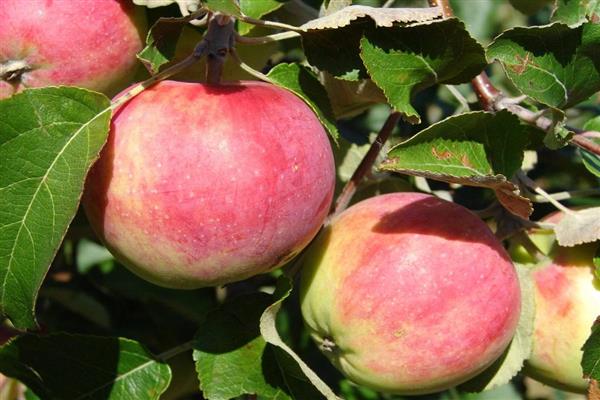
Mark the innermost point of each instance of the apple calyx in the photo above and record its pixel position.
(327, 345)
(12, 70)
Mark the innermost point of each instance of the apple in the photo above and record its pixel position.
(567, 296)
(409, 294)
(201, 185)
(86, 43)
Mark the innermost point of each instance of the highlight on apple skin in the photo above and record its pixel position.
(567, 296)
(409, 294)
(201, 185)
(86, 43)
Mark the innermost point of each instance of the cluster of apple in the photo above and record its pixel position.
(203, 185)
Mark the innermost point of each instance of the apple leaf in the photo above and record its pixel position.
(384, 17)
(232, 359)
(477, 149)
(256, 9)
(578, 227)
(161, 43)
(591, 160)
(68, 366)
(591, 353)
(529, 7)
(519, 349)
(404, 60)
(553, 64)
(229, 7)
(596, 262)
(49, 138)
(575, 12)
(301, 81)
(268, 329)
(350, 98)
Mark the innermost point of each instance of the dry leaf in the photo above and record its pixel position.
(578, 227)
(381, 16)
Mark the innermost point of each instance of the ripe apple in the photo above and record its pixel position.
(567, 298)
(201, 185)
(409, 294)
(86, 43)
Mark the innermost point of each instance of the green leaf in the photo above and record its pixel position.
(256, 9)
(575, 12)
(48, 140)
(596, 261)
(511, 362)
(268, 329)
(553, 64)
(477, 149)
(66, 366)
(405, 60)
(591, 160)
(337, 50)
(591, 354)
(350, 98)
(90, 254)
(161, 43)
(232, 359)
(229, 7)
(301, 81)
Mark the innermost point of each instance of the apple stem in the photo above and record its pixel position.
(365, 165)
(12, 70)
(219, 40)
(182, 348)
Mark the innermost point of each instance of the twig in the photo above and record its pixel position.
(252, 40)
(536, 188)
(487, 94)
(566, 195)
(586, 144)
(182, 348)
(388, 4)
(458, 96)
(366, 164)
(269, 24)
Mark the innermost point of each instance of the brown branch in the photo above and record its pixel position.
(366, 164)
(583, 142)
(486, 92)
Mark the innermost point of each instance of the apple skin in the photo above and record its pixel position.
(409, 294)
(202, 185)
(567, 296)
(85, 43)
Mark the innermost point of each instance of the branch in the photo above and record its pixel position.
(366, 164)
(265, 39)
(446, 7)
(269, 24)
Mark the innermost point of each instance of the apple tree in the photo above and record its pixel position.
(299, 199)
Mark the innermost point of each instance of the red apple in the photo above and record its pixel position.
(407, 293)
(202, 185)
(86, 43)
(567, 298)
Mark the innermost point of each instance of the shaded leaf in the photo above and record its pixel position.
(232, 359)
(596, 262)
(405, 60)
(591, 354)
(529, 7)
(67, 366)
(161, 43)
(305, 85)
(574, 12)
(268, 329)
(553, 64)
(49, 138)
(349, 98)
(90, 254)
(578, 227)
(256, 9)
(384, 17)
(591, 160)
(80, 303)
(519, 349)
(476, 149)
